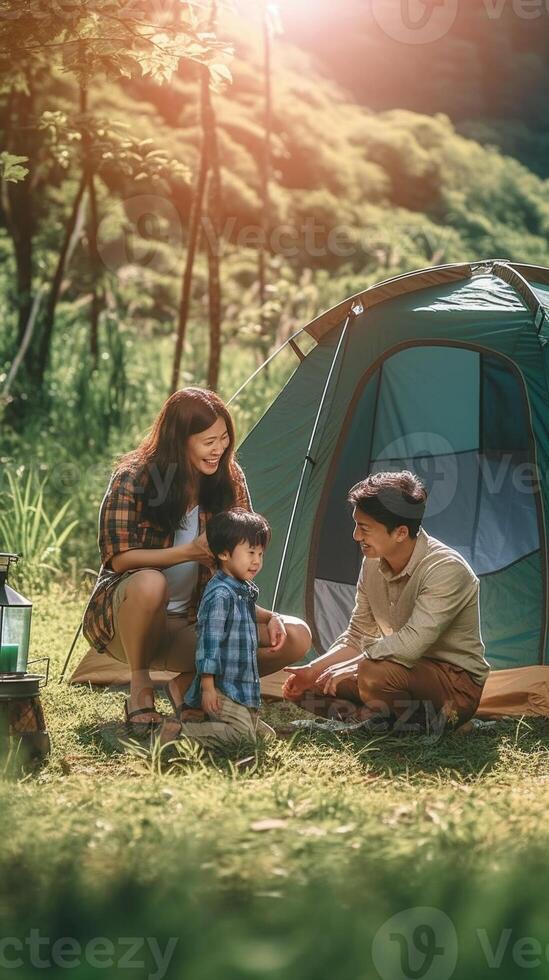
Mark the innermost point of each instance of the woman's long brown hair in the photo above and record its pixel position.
(165, 475)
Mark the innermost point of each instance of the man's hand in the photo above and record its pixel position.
(327, 682)
(210, 700)
(277, 632)
(301, 679)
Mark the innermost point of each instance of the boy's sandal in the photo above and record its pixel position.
(182, 711)
(176, 708)
(191, 714)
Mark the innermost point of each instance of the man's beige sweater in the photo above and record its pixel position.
(429, 609)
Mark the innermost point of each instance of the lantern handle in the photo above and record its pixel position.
(9, 560)
(43, 677)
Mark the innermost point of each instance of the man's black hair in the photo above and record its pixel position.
(391, 499)
(231, 527)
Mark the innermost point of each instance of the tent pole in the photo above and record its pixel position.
(309, 461)
(509, 274)
(290, 341)
(69, 655)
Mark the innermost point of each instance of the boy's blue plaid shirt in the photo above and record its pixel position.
(227, 641)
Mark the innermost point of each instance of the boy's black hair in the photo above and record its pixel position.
(392, 499)
(228, 528)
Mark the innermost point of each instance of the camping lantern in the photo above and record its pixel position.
(23, 736)
(15, 620)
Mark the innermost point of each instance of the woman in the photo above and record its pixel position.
(155, 557)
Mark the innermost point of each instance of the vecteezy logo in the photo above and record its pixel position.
(415, 21)
(432, 458)
(416, 944)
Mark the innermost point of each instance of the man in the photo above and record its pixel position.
(412, 653)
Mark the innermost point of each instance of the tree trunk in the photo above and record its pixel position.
(213, 239)
(265, 172)
(96, 304)
(25, 341)
(194, 227)
(21, 207)
(214, 283)
(86, 183)
(55, 290)
(17, 204)
(88, 170)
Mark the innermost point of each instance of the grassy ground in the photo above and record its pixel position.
(280, 863)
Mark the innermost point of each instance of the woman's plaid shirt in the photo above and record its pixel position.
(122, 528)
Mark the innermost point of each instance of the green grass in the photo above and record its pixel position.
(101, 842)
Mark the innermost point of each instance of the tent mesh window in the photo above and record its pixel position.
(459, 419)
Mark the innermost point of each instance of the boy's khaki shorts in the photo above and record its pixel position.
(232, 723)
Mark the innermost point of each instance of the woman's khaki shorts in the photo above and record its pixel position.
(178, 650)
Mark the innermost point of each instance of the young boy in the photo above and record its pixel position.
(226, 685)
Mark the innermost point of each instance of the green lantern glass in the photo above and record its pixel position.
(15, 622)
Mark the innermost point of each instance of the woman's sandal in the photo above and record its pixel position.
(141, 727)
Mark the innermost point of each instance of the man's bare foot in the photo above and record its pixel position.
(465, 729)
(335, 709)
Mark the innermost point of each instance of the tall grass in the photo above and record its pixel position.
(92, 417)
(293, 866)
(371, 922)
(29, 529)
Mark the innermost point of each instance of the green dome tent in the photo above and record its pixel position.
(444, 371)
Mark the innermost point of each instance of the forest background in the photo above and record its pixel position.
(182, 187)
(185, 185)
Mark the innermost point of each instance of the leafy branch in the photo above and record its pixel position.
(10, 167)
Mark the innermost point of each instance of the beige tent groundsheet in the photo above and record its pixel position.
(101, 670)
(520, 691)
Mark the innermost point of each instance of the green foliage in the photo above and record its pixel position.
(107, 38)
(355, 831)
(26, 527)
(356, 196)
(281, 863)
(488, 71)
(314, 924)
(109, 145)
(10, 167)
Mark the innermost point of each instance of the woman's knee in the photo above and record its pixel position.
(147, 589)
(299, 635)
